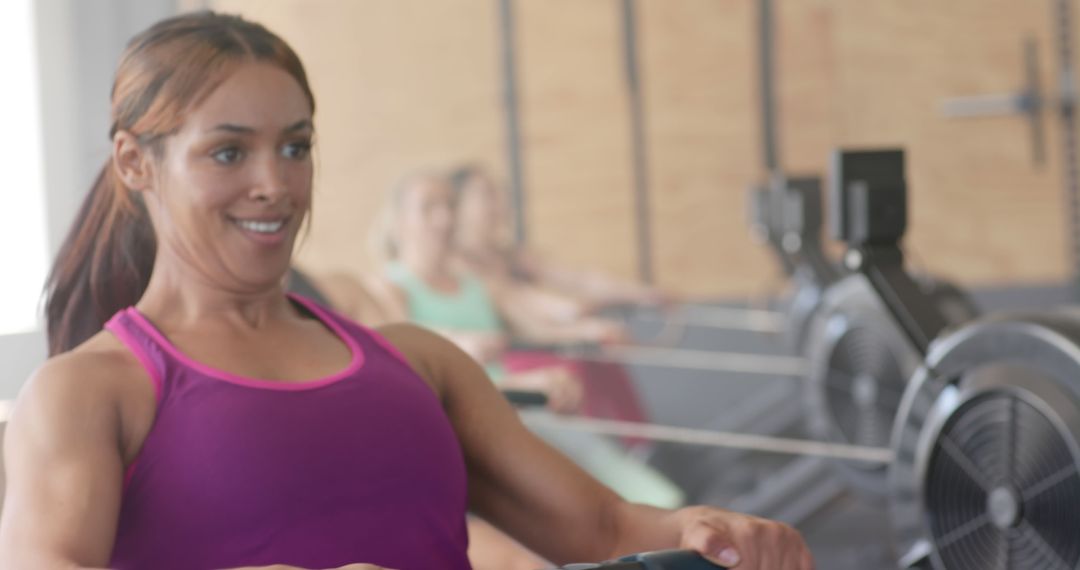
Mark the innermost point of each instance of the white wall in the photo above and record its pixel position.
(79, 43)
(20, 354)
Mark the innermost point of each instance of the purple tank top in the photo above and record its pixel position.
(361, 466)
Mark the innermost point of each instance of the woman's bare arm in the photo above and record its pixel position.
(63, 456)
(594, 287)
(537, 316)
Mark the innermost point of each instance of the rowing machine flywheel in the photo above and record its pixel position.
(860, 364)
(987, 443)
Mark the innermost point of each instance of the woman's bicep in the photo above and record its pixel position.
(64, 475)
(517, 481)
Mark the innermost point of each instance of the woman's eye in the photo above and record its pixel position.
(227, 155)
(297, 150)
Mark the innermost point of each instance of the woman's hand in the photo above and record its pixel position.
(742, 542)
(563, 390)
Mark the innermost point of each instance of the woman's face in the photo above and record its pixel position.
(480, 212)
(425, 219)
(233, 184)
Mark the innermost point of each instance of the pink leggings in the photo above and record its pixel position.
(609, 390)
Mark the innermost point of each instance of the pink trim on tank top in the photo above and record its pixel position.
(381, 341)
(355, 364)
(125, 337)
(139, 352)
(130, 472)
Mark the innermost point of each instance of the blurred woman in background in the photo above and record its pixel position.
(541, 298)
(448, 299)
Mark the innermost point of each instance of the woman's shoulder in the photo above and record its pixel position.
(98, 364)
(413, 343)
(95, 377)
(430, 355)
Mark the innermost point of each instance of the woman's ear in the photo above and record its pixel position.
(131, 161)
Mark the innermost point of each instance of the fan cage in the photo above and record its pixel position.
(863, 387)
(1005, 486)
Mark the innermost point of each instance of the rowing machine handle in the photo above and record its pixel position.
(659, 560)
(525, 398)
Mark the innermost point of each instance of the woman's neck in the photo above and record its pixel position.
(183, 296)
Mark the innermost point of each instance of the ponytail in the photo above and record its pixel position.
(103, 265)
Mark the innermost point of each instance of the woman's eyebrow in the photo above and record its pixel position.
(300, 125)
(241, 129)
(231, 128)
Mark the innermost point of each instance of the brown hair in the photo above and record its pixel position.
(382, 237)
(106, 259)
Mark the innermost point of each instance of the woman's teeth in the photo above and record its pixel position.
(261, 227)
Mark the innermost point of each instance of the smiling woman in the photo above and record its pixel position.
(22, 236)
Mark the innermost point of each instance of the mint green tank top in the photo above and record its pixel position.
(470, 309)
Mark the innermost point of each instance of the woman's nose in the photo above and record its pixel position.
(269, 180)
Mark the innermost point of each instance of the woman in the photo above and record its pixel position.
(457, 305)
(542, 299)
(428, 290)
(217, 422)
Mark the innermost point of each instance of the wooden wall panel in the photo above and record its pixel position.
(576, 133)
(806, 74)
(407, 83)
(704, 144)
